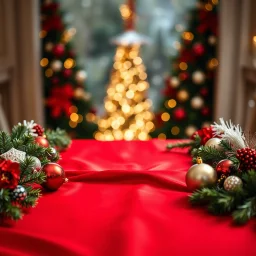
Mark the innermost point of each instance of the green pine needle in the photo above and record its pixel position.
(58, 138)
(245, 212)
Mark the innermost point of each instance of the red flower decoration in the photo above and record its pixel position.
(54, 23)
(205, 134)
(60, 100)
(208, 21)
(9, 174)
(186, 55)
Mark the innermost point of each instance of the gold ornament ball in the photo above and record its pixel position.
(197, 102)
(232, 183)
(48, 47)
(198, 77)
(182, 95)
(81, 76)
(175, 82)
(214, 142)
(200, 175)
(189, 131)
(56, 65)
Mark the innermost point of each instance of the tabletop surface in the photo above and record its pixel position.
(124, 199)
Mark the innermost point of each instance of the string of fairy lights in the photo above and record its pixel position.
(128, 114)
(198, 77)
(56, 66)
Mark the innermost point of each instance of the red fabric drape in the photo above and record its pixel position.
(124, 199)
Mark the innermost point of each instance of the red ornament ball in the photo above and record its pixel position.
(179, 114)
(58, 50)
(204, 92)
(224, 166)
(183, 76)
(199, 49)
(205, 111)
(39, 129)
(55, 176)
(55, 80)
(41, 141)
(67, 73)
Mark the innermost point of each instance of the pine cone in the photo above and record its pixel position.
(247, 158)
(39, 130)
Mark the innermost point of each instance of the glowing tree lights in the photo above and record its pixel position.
(128, 114)
(188, 94)
(68, 105)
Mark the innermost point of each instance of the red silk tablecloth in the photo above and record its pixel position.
(124, 199)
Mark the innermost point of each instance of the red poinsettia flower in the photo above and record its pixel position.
(9, 174)
(205, 134)
(59, 100)
(208, 21)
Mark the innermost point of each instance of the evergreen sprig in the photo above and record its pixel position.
(195, 143)
(21, 139)
(245, 212)
(5, 142)
(241, 203)
(58, 139)
(208, 154)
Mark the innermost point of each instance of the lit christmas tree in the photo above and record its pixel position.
(68, 105)
(188, 95)
(128, 114)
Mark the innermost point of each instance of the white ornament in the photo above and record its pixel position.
(81, 76)
(197, 102)
(174, 82)
(37, 164)
(198, 77)
(14, 155)
(56, 65)
(29, 125)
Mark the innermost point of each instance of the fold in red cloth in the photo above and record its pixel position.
(124, 199)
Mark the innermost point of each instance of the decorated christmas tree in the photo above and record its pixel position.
(188, 95)
(68, 105)
(127, 108)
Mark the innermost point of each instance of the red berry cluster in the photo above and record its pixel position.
(39, 129)
(247, 157)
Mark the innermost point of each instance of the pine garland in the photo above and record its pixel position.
(238, 199)
(21, 139)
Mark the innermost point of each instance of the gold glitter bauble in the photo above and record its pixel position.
(214, 142)
(182, 95)
(200, 175)
(232, 183)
